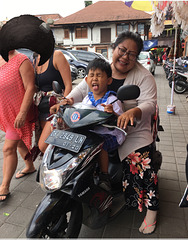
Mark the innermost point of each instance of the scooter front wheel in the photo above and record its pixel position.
(64, 225)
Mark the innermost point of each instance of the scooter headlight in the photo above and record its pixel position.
(52, 180)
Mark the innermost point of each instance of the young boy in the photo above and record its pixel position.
(99, 76)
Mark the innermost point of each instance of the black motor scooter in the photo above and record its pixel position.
(69, 175)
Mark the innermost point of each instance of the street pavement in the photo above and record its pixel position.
(172, 221)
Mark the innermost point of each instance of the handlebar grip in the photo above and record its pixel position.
(129, 123)
(134, 124)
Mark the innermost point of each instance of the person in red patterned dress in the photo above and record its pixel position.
(17, 87)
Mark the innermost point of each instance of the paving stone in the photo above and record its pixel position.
(181, 168)
(121, 232)
(172, 227)
(87, 232)
(26, 186)
(20, 217)
(171, 210)
(180, 160)
(169, 166)
(16, 198)
(32, 201)
(182, 177)
(169, 196)
(10, 231)
(183, 185)
(166, 147)
(168, 153)
(166, 174)
(168, 159)
(181, 154)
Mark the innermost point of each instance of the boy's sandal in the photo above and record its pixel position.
(150, 225)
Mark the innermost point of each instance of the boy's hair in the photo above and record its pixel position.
(101, 64)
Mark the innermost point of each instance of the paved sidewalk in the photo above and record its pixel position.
(17, 211)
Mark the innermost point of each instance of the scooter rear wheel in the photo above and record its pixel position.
(179, 89)
(66, 224)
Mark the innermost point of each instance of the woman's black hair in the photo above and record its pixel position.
(129, 35)
(99, 63)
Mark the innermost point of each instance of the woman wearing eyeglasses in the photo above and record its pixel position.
(140, 183)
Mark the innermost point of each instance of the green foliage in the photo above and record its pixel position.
(87, 3)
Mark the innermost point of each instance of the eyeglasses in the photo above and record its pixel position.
(123, 51)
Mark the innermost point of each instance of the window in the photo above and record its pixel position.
(141, 28)
(105, 35)
(103, 51)
(122, 28)
(66, 33)
(81, 32)
(81, 48)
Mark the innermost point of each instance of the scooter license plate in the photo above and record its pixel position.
(67, 140)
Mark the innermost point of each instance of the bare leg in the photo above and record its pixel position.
(45, 133)
(103, 161)
(29, 166)
(150, 219)
(10, 161)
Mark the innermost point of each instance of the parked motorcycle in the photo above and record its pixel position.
(179, 76)
(69, 175)
(167, 67)
(181, 81)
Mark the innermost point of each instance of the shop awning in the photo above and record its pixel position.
(148, 44)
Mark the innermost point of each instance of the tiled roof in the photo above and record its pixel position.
(103, 11)
(45, 17)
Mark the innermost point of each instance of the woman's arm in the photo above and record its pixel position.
(79, 92)
(28, 78)
(146, 102)
(61, 64)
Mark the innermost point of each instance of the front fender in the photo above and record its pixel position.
(42, 213)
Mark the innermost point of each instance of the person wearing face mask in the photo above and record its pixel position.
(140, 184)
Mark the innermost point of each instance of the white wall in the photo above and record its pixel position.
(58, 35)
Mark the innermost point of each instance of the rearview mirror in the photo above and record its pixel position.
(128, 92)
(56, 87)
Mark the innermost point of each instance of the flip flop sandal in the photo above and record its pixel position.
(4, 195)
(24, 174)
(150, 225)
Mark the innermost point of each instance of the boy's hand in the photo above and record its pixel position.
(108, 108)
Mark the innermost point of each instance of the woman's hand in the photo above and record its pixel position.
(129, 116)
(20, 120)
(55, 108)
(66, 101)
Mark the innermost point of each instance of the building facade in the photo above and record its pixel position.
(96, 27)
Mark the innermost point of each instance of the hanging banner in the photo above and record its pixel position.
(148, 44)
